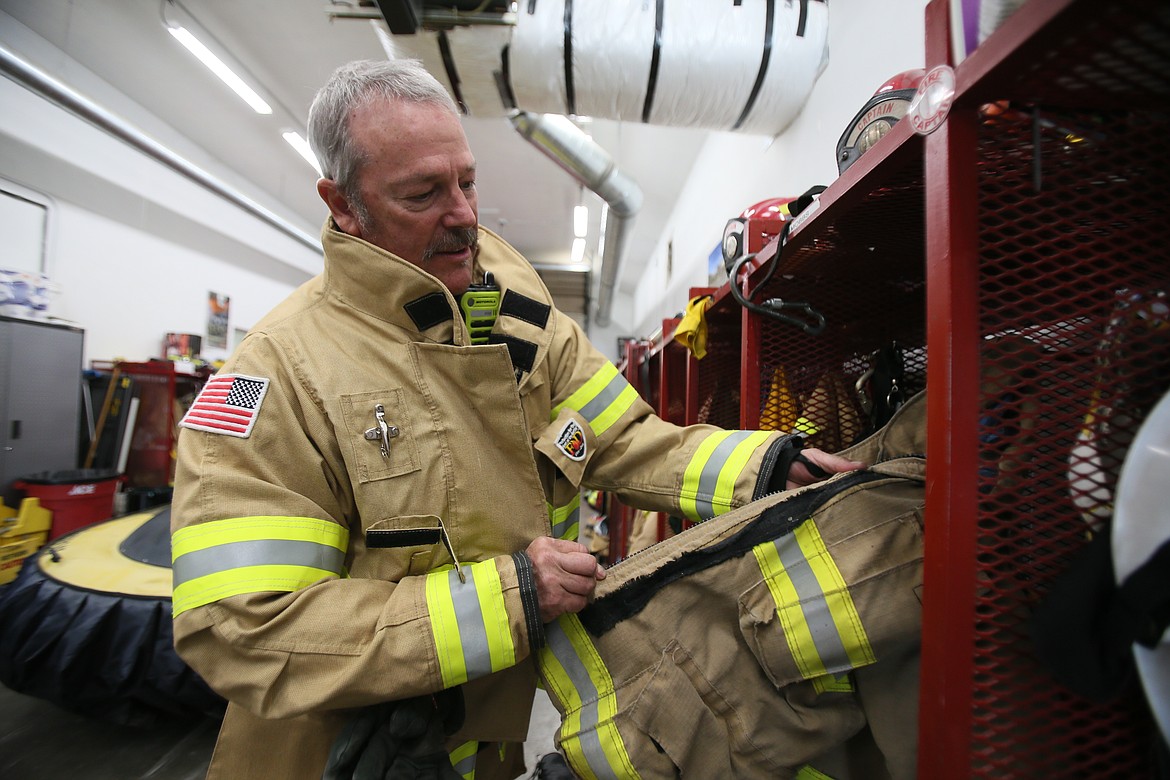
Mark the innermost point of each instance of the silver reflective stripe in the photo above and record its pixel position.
(588, 736)
(709, 476)
(600, 402)
(466, 767)
(813, 605)
(560, 529)
(469, 618)
(267, 552)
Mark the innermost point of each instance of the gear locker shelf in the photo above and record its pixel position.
(1020, 247)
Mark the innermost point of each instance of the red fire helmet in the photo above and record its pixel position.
(877, 116)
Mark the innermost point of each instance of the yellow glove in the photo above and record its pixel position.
(692, 330)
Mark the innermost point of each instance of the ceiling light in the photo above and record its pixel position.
(580, 221)
(578, 253)
(302, 147)
(217, 66)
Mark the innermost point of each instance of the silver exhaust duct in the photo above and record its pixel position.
(586, 161)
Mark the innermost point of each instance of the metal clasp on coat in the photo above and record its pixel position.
(382, 433)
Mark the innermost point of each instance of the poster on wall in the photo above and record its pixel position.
(217, 319)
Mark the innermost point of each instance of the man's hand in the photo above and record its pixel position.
(813, 465)
(566, 575)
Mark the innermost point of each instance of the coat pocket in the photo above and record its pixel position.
(820, 610)
(381, 441)
(799, 619)
(404, 546)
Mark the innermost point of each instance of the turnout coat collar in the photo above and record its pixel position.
(383, 285)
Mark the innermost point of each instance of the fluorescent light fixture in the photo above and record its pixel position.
(302, 147)
(216, 66)
(578, 253)
(580, 221)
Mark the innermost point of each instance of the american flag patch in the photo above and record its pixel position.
(227, 404)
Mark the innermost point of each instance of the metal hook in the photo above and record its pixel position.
(382, 432)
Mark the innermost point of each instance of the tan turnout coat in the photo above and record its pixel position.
(281, 602)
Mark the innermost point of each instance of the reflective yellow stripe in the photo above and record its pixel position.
(463, 759)
(818, 616)
(249, 579)
(732, 467)
(261, 528)
(566, 519)
(708, 486)
(223, 558)
(841, 606)
(497, 627)
(577, 676)
(445, 628)
(586, 392)
(833, 683)
(469, 623)
(602, 400)
(807, 772)
(615, 410)
(796, 631)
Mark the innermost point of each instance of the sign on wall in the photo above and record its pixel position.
(217, 319)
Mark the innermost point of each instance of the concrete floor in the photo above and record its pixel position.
(40, 741)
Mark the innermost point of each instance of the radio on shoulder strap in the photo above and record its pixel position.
(480, 306)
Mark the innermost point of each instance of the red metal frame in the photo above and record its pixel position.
(956, 240)
(953, 378)
(988, 704)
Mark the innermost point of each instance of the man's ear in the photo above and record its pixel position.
(339, 207)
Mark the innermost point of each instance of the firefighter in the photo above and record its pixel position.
(369, 508)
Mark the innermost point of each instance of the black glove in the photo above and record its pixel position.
(356, 736)
(398, 740)
(552, 766)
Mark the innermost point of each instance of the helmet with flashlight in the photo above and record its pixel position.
(877, 116)
(754, 228)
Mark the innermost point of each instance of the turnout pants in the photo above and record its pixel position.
(756, 643)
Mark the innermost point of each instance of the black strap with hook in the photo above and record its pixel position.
(811, 322)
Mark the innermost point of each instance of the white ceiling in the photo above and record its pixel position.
(289, 48)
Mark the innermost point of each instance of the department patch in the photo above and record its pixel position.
(227, 404)
(571, 440)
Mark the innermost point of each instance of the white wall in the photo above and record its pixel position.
(128, 287)
(136, 247)
(868, 43)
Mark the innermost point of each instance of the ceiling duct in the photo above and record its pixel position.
(747, 66)
(569, 147)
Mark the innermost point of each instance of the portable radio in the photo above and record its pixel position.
(480, 306)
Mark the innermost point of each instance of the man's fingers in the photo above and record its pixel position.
(566, 575)
(581, 564)
(800, 474)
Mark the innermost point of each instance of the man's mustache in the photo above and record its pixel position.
(453, 241)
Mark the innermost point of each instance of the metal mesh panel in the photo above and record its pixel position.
(652, 378)
(673, 391)
(1113, 56)
(718, 372)
(864, 274)
(1075, 350)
